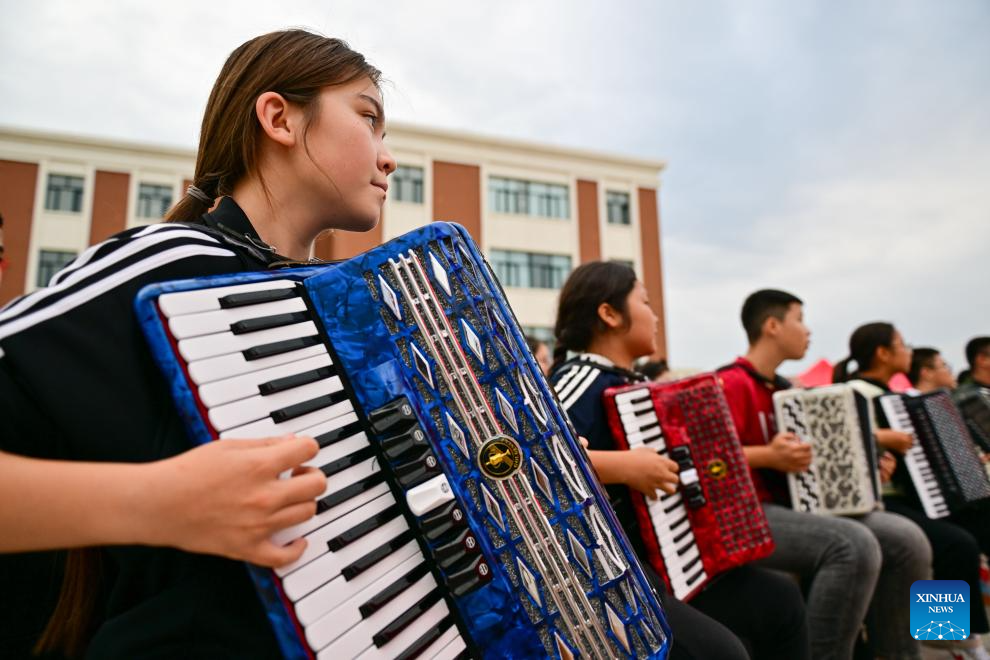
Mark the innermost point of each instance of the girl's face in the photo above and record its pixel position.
(900, 354)
(641, 333)
(343, 161)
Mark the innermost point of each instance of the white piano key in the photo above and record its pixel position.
(337, 620)
(239, 413)
(635, 421)
(226, 366)
(404, 639)
(452, 646)
(346, 478)
(358, 638)
(636, 439)
(319, 520)
(205, 323)
(328, 565)
(338, 450)
(266, 427)
(222, 343)
(338, 592)
(202, 300)
(633, 395)
(243, 386)
(429, 495)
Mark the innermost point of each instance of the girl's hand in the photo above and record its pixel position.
(894, 440)
(226, 498)
(647, 471)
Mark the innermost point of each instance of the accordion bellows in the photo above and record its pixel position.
(714, 521)
(460, 516)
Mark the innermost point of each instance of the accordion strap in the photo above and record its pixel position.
(777, 382)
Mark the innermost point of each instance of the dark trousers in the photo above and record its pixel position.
(955, 555)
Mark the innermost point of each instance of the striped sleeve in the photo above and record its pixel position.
(134, 257)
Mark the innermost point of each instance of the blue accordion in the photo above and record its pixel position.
(460, 516)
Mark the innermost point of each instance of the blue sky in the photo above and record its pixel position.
(837, 149)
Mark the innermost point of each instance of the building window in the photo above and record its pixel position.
(153, 201)
(407, 184)
(530, 270)
(547, 200)
(617, 207)
(50, 262)
(64, 193)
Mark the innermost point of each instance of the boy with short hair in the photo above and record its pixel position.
(838, 558)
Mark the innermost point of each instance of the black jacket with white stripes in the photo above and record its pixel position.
(580, 384)
(77, 382)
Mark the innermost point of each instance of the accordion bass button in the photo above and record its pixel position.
(468, 576)
(398, 413)
(442, 520)
(429, 495)
(453, 552)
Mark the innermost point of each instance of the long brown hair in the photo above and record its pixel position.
(298, 65)
(295, 63)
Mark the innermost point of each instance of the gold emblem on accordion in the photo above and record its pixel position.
(500, 457)
(717, 468)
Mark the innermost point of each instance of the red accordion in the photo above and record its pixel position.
(713, 522)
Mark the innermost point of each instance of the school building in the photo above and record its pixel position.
(536, 210)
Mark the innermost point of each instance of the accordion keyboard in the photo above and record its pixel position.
(363, 587)
(681, 555)
(922, 476)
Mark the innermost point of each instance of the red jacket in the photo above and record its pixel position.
(750, 398)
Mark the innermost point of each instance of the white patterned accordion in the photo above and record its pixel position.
(945, 469)
(460, 516)
(843, 478)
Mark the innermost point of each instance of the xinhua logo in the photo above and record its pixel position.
(940, 609)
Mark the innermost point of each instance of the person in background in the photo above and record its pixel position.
(929, 371)
(879, 352)
(654, 369)
(852, 568)
(541, 352)
(978, 373)
(605, 322)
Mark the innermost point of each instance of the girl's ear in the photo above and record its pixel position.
(277, 118)
(610, 316)
(882, 355)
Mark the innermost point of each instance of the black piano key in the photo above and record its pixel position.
(442, 520)
(392, 630)
(245, 326)
(417, 469)
(461, 580)
(688, 566)
(338, 434)
(682, 535)
(454, 551)
(295, 380)
(344, 494)
(371, 524)
(391, 415)
(697, 575)
(680, 453)
(279, 347)
(427, 638)
(306, 407)
(382, 598)
(344, 462)
(354, 569)
(256, 297)
(398, 444)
